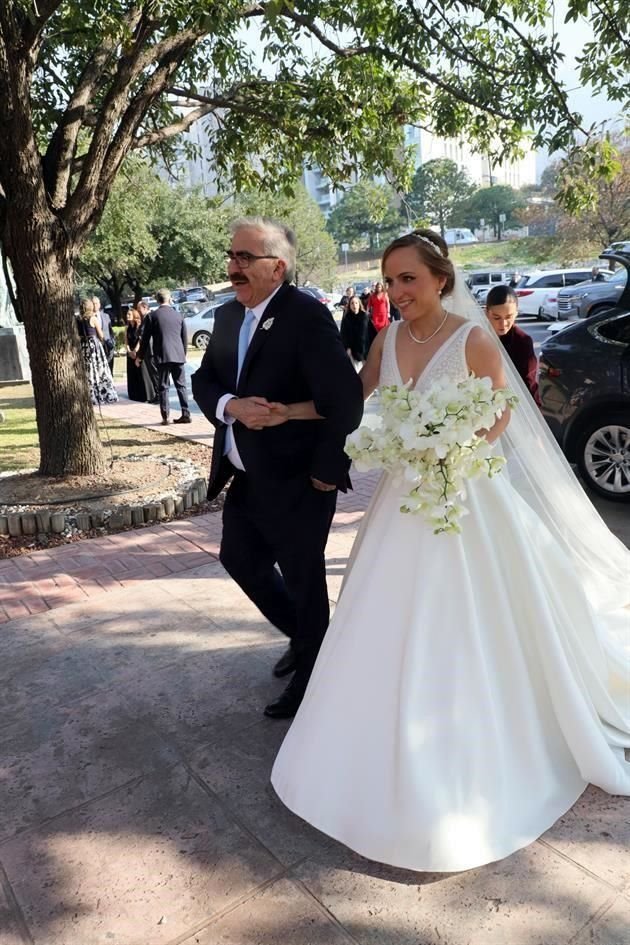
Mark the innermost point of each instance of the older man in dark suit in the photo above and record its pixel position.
(166, 327)
(277, 385)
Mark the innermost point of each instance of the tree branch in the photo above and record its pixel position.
(509, 25)
(34, 24)
(175, 128)
(59, 158)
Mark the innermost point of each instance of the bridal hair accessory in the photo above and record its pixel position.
(423, 341)
(425, 239)
(267, 324)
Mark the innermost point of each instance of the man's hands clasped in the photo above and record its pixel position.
(256, 413)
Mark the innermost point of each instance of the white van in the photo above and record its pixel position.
(459, 236)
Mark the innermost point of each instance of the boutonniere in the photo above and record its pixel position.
(266, 325)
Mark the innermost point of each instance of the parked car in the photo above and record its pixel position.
(622, 247)
(534, 286)
(589, 298)
(459, 236)
(318, 294)
(195, 293)
(480, 283)
(584, 385)
(200, 326)
(548, 309)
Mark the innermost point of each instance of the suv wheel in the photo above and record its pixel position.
(201, 339)
(603, 457)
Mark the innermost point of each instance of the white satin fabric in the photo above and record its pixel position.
(467, 690)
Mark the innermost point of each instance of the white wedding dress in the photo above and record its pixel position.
(467, 690)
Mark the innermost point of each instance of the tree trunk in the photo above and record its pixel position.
(68, 436)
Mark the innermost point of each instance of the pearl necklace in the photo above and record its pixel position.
(423, 341)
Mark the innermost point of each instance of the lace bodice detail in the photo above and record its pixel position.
(449, 361)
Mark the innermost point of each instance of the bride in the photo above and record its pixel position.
(469, 686)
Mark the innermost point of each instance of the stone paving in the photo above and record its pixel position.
(135, 805)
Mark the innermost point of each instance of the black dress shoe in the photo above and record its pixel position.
(184, 419)
(286, 664)
(287, 704)
(166, 421)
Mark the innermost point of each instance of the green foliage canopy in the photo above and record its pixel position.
(437, 189)
(490, 204)
(366, 212)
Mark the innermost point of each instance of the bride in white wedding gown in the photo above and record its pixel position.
(469, 686)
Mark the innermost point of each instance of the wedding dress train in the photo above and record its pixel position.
(467, 689)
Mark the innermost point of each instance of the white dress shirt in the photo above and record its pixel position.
(232, 453)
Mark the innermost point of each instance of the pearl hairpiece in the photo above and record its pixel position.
(434, 246)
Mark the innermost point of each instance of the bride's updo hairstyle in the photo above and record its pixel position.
(432, 251)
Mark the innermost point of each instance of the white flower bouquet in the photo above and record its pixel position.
(431, 441)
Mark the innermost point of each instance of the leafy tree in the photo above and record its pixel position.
(489, 204)
(365, 213)
(317, 253)
(438, 188)
(608, 218)
(85, 82)
(153, 233)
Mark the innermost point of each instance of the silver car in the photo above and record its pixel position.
(588, 298)
(200, 325)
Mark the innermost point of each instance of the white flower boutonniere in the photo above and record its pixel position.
(266, 325)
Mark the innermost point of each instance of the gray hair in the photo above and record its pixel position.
(163, 296)
(278, 240)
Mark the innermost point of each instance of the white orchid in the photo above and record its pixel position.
(429, 442)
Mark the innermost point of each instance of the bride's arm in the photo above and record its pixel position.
(484, 360)
(370, 372)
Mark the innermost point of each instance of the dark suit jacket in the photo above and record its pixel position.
(167, 328)
(520, 348)
(296, 358)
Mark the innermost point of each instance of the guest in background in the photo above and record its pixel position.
(378, 307)
(365, 297)
(167, 329)
(354, 331)
(597, 275)
(514, 281)
(108, 340)
(149, 359)
(102, 390)
(139, 386)
(502, 311)
(344, 301)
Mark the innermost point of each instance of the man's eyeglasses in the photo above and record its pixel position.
(243, 260)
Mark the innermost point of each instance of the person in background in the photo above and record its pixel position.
(354, 331)
(514, 281)
(502, 311)
(345, 299)
(108, 340)
(149, 360)
(365, 297)
(378, 307)
(99, 376)
(139, 386)
(167, 329)
(597, 275)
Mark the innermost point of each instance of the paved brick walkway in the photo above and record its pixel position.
(135, 805)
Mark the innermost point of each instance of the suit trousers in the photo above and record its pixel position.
(273, 544)
(167, 370)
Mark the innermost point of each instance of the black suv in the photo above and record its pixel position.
(585, 393)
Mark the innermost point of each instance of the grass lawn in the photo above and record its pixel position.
(19, 442)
